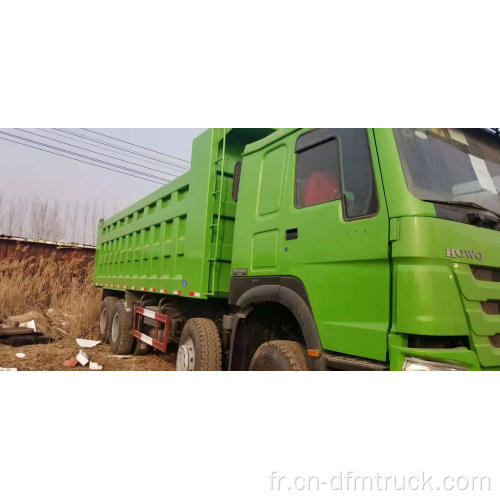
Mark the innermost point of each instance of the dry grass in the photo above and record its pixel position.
(65, 305)
(61, 292)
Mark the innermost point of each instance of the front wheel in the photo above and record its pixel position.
(279, 355)
(199, 346)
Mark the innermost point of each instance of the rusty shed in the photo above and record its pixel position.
(12, 245)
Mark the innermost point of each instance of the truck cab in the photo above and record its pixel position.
(374, 248)
(343, 249)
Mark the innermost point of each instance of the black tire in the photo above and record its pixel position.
(121, 339)
(202, 336)
(106, 317)
(279, 355)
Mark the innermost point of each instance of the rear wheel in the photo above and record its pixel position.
(279, 355)
(199, 346)
(121, 338)
(106, 317)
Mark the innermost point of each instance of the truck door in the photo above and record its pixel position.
(334, 238)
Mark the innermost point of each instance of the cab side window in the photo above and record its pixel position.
(317, 178)
(335, 163)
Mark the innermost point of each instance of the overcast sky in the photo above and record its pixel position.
(29, 172)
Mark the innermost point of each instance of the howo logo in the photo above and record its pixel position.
(460, 252)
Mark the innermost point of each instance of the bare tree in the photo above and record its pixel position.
(66, 219)
(1, 213)
(74, 221)
(94, 220)
(14, 216)
(46, 220)
(85, 222)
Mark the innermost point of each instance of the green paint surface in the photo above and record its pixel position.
(371, 281)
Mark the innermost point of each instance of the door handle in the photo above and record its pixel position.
(292, 234)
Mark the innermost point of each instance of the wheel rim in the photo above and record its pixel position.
(115, 328)
(185, 356)
(102, 322)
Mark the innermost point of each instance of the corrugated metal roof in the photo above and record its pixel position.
(57, 244)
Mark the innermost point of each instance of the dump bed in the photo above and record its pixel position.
(178, 240)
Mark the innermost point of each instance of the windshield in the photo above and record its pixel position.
(451, 165)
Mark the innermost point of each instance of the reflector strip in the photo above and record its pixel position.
(134, 288)
(144, 338)
(177, 292)
(163, 290)
(143, 288)
(149, 314)
(126, 287)
(194, 294)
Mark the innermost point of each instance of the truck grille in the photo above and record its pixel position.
(485, 273)
(495, 340)
(480, 290)
(491, 307)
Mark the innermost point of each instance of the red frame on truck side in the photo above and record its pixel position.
(139, 313)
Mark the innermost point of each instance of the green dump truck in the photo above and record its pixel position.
(313, 249)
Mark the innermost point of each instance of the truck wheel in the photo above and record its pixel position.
(279, 355)
(121, 338)
(199, 346)
(106, 317)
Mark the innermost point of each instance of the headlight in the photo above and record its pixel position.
(422, 365)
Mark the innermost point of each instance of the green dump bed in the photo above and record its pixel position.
(178, 240)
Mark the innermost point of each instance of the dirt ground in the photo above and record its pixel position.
(60, 297)
(52, 356)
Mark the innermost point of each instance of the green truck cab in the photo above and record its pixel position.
(346, 249)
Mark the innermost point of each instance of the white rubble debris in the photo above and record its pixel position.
(29, 324)
(87, 343)
(82, 358)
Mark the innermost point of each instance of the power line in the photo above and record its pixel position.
(132, 144)
(122, 149)
(81, 161)
(95, 144)
(97, 152)
(145, 174)
(181, 167)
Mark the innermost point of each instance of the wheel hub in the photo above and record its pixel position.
(102, 322)
(185, 357)
(115, 327)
